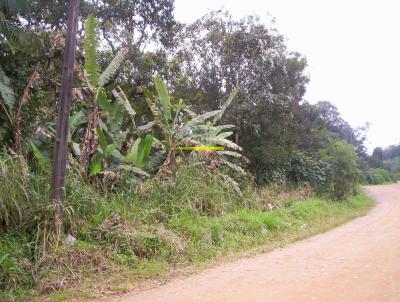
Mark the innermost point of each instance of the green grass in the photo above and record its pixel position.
(190, 220)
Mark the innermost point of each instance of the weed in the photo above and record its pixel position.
(190, 218)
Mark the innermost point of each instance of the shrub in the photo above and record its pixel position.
(302, 168)
(380, 176)
(343, 173)
(306, 168)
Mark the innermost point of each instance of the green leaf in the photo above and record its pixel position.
(103, 101)
(225, 142)
(226, 104)
(44, 164)
(111, 69)
(140, 151)
(132, 156)
(13, 7)
(95, 166)
(217, 129)
(225, 134)
(234, 167)
(90, 44)
(144, 150)
(116, 154)
(121, 97)
(76, 120)
(115, 117)
(6, 92)
(102, 140)
(232, 183)
(202, 118)
(110, 149)
(233, 154)
(164, 102)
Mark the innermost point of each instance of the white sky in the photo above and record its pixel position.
(352, 47)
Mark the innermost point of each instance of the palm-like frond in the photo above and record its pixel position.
(4, 25)
(19, 37)
(12, 7)
(225, 134)
(113, 67)
(225, 142)
(16, 36)
(233, 154)
(91, 42)
(233, 166)
(6, 92)
(121, 97)
(226, 104)
(204, 117)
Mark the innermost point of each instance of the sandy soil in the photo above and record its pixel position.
(358, 261)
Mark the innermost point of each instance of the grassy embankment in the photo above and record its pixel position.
(127, 237)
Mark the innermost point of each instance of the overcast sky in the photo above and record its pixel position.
(352, 47)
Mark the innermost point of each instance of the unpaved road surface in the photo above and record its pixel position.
(358, 261)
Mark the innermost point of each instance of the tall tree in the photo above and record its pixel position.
(121, 22)
(216, 53)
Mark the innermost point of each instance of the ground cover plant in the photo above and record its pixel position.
(190, 219)
(175, 156)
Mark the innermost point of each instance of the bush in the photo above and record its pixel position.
(380, 176)
(272, 174)
(343, 173)
(301, 169)
(305, 168)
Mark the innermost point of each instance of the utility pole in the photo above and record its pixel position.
(57, 190)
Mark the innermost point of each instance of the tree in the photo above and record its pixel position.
(333, 122)
(216, 53)
(376, 158)
(343, 172)
(121, 22)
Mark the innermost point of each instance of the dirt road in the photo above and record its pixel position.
(359, 261)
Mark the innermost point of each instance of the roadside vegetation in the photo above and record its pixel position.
(384, 165)
(192, 218)
(140, 201)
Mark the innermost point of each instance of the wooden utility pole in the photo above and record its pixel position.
(57, 190)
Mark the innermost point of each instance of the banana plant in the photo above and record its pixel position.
(96, 82)
(140, 151)
(179, 129)
(182, 127)
(104, 137)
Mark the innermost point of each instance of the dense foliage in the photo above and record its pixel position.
(149, 95)
(384, 165)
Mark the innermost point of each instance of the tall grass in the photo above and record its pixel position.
(191, 217)
(22, 195)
